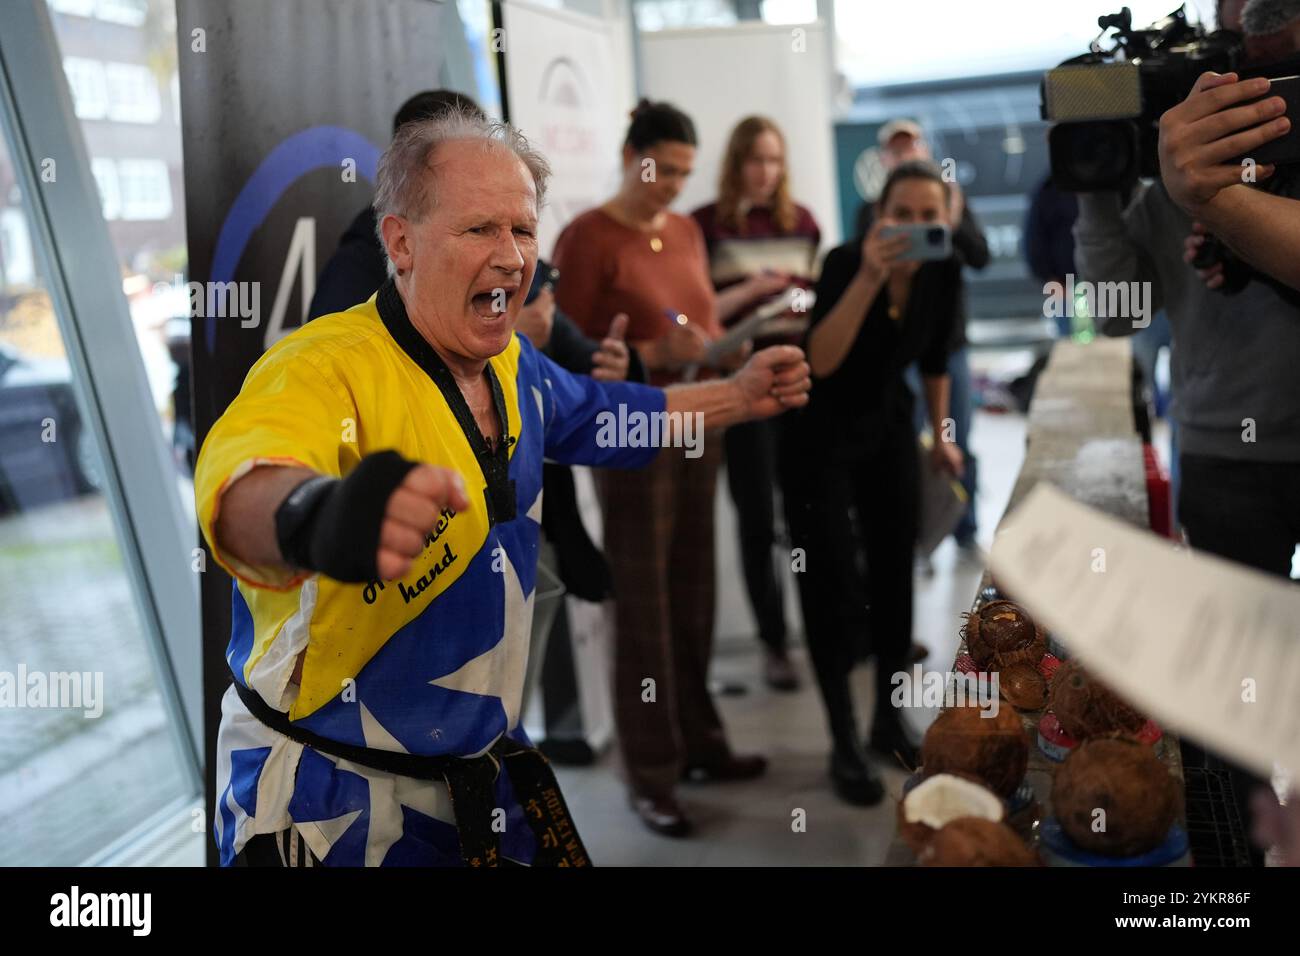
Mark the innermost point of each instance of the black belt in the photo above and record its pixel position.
(471, 783)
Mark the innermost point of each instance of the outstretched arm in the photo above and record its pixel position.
(773, 380)
(372, 523)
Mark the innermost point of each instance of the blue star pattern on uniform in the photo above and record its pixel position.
(450, 681)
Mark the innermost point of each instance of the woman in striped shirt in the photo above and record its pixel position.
(755, 228)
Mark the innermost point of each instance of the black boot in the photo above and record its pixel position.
(889, 739)
(855, 778)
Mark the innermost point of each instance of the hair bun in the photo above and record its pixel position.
(642, 106)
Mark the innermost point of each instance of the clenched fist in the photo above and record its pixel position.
(774, 379)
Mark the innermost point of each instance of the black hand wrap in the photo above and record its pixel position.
(332, 525)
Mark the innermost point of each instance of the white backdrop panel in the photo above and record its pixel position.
(718, 76)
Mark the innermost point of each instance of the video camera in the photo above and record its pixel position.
(1107, 104)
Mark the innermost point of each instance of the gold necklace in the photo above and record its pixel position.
(620, 215)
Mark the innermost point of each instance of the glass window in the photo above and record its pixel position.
(675, 14)
(140, 176)
(654, 15)
(789, 11)
(146, 192)
(17, 266)
(76, 8)
(89, 88)
(85, 749)
(105, 173)
(476, 21)
(133, 95)
(131, 13)
(966, 41)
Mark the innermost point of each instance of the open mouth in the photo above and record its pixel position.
(495, 302)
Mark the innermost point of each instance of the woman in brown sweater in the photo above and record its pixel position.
(635, 257)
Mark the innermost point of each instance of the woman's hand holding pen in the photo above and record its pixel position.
(683, 344)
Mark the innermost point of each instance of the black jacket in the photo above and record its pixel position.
(969, 248)
(1049, 232)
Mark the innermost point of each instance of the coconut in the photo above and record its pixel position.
(1087, 708)
(1023, 687)
(1123, 777)
(1001, 633)
(938, 800)
(993, 749)
(972, 841)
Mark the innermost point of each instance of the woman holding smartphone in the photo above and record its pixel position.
(852, 451)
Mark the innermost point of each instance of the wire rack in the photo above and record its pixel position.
(1214, 826)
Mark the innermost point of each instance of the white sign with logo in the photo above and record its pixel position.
(570, 88)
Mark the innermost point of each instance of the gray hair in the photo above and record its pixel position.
(406, 182)
(1261, 17)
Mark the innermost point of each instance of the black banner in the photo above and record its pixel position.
(285, 110)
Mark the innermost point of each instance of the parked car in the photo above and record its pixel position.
(46, 453)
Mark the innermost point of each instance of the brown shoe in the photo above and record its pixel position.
(663, 815)
(733, 768)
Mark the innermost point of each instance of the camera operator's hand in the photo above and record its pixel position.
(1213, 276)
(880, 255)
(1201, 137)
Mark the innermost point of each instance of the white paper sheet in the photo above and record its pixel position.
(743, 331)
(1208, 648)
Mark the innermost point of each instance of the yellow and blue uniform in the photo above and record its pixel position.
(430, 664)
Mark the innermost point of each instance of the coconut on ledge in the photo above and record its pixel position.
(972, 841)
(1113, 796)
(940, 799)
(1001, 633)
(992, 748)
(1087, 708)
